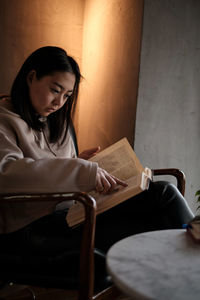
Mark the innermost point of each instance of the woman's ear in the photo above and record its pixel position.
(30, 77)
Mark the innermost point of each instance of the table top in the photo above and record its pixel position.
(161, 265)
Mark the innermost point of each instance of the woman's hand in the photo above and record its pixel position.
(107, 183)
(87, 154)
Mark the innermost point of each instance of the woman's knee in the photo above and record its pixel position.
(166, 192)
(161, 187)
(167, 185)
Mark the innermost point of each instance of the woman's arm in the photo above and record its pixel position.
(27, 174)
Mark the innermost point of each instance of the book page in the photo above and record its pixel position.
(135, 186)
(139, 181)
(119, 160)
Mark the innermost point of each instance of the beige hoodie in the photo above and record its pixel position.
(29, 163)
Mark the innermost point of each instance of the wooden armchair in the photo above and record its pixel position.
(10, 267)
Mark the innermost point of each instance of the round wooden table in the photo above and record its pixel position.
(160, 265)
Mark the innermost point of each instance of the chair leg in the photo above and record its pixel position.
(7, 289)
(111, 293)
(40, 293)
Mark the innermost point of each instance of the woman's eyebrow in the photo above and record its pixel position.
(61, 87)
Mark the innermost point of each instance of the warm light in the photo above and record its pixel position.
(110, 65)
(103, 36)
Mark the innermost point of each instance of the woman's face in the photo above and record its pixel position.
(50, 92)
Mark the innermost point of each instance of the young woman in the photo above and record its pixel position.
(37, 154)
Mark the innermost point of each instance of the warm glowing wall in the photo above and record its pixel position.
(103, 35)
(26, 25)
(111, 52)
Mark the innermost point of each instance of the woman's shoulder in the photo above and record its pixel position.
(6, 107)
(10, 121)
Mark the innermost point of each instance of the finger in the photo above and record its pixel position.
(120, 182)
(112, 183)
(99, 185)
(92, 150)
(106, 184)
(87, 154)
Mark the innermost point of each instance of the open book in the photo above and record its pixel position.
(193, 228)
(121, 161)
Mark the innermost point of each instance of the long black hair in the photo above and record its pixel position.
(45, 61)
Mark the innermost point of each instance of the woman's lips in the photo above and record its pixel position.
(50, 109)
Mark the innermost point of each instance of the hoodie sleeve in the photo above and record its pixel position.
(26, 174)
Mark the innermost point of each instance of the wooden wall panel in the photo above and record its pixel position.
(111, 54)
(104, 36)
(26, 25)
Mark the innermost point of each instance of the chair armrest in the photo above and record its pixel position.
(180, 176)
(87, 243)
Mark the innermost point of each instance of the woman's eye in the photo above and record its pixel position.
(55, 91)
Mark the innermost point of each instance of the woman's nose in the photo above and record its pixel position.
(58, 101)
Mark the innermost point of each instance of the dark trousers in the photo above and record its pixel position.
(160, 207)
